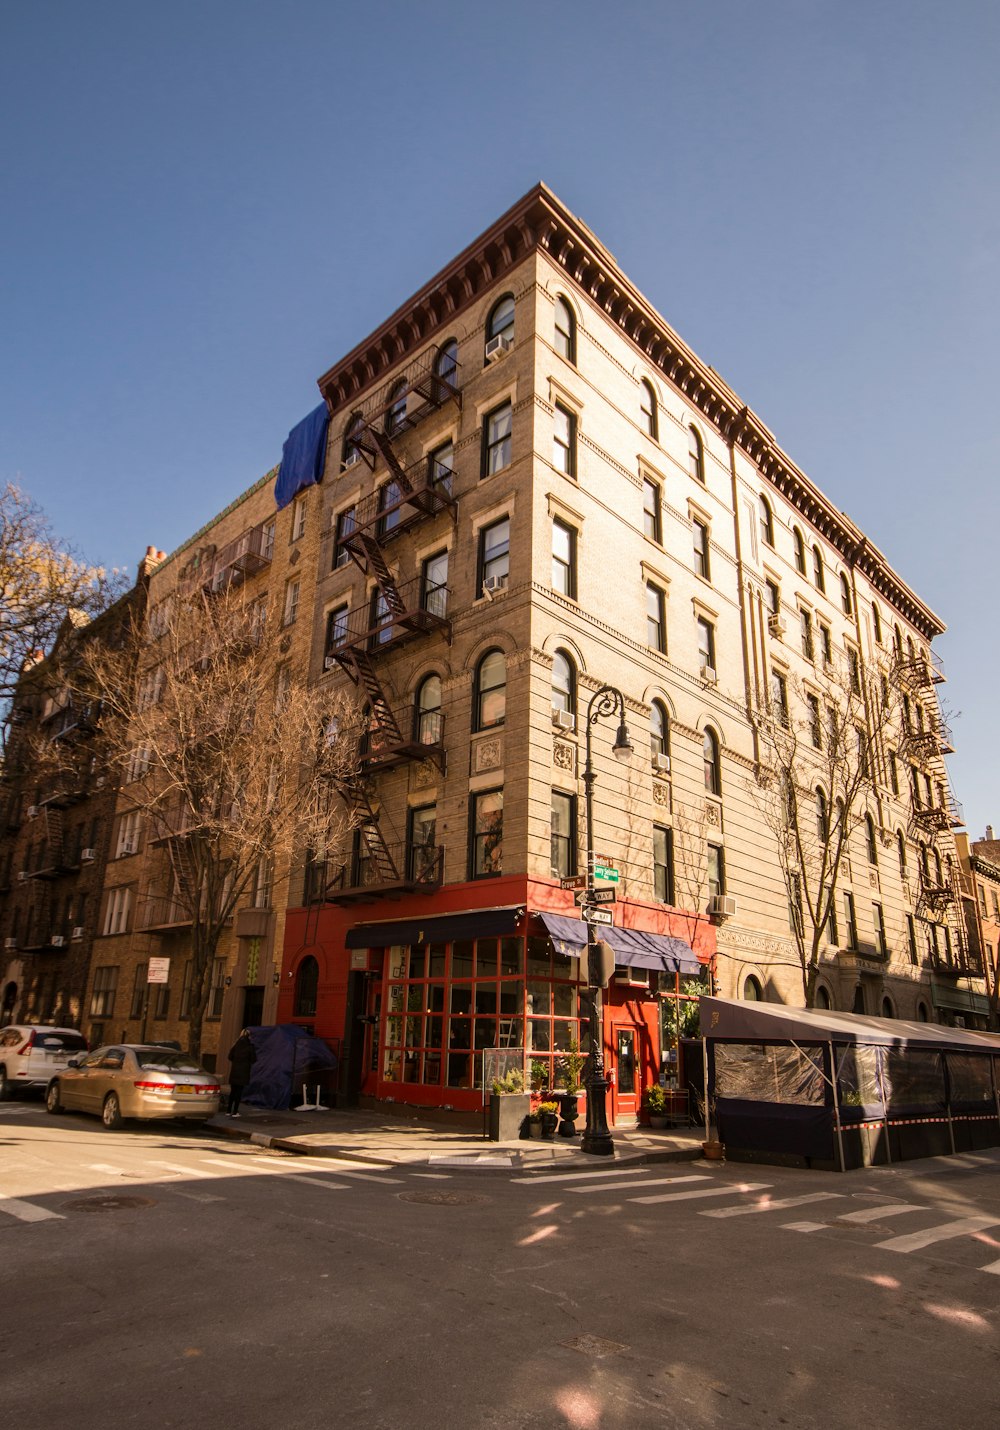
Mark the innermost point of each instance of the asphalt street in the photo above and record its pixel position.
(163, 1276)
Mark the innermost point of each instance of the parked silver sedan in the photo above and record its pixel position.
(134, 1080)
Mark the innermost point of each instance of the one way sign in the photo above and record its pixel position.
(595, 896)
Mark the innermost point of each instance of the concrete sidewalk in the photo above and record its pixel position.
(401, 1139)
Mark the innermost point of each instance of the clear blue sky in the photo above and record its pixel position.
(206, 204)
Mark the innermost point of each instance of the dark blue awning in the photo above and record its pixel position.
(436, 928)
(303, 456)
(633, 948)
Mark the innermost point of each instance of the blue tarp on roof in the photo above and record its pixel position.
(303, 456)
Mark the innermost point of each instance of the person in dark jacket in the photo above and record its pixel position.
(242, 1057)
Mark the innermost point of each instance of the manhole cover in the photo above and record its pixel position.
(110, 1204)
(593, 1346)
(442, 1199)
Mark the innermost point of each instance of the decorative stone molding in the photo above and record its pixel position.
(487, 755)
(423, 777)
(661, 793)
(564, 755)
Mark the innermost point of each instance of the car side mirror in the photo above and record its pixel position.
(73, 1063)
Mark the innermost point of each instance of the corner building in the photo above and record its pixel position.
(533, 489)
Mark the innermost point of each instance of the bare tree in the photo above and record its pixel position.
(226, 755)
(814, 788)
(41, 580)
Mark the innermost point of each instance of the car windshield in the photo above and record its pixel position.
(163, 1060)
(61, 1042)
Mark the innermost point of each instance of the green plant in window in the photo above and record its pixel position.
(512, 1081)
(539, 1075)
(654, 1100)
(572, 1063)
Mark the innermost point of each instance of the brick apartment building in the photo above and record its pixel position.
(531, 490)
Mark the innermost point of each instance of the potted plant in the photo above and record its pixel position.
(654, 1104)
(548, 1113)
(571, 1064)
(539, 1075)
(509, 1106)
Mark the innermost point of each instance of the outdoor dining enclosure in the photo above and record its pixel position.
(841, 1090)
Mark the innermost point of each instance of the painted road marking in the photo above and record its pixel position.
(877, 1213)
(25, 1211)
(944, 1231)
(578, 1176)
(736, 1189)
(333, 1164)
(258, 1170)
(645, 1182)
(767, 1205)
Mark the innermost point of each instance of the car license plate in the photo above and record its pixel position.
(184, 1087)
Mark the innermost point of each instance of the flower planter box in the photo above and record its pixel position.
(507, 1114)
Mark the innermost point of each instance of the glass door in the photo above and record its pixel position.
(625, 1095)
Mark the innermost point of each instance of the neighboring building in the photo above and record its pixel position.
(56, 813)
(979, 861)
(534, 489)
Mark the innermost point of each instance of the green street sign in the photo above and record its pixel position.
(602, 872)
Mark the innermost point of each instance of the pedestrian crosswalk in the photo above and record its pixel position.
(190, 1180)
(635, 1186)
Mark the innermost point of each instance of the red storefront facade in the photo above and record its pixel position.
(413, 991)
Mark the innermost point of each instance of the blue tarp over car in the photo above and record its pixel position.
(287, 1057)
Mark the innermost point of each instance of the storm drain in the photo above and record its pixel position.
(593, 1346)
(110, 1204)
(442, 1199)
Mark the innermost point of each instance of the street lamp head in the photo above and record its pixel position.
(622, 749)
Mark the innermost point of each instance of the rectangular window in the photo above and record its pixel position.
(699, 532)
(336, 629)
(298, 518)
(117, 910)
(982, 901)
(996, 905)
(854, 668)
(806, 627)
(494, 553)
(161, 1004)
(434, 584)
(496, 439)
(878, 924)
(102, 996)
(291, 608)
(564, 559)
(850, 921)
(651, 509)
(656, 623)
(773, 598)
(911, 938)
(441, 467)
(831, 922)
(563, 834)
(564, 440)
(706, 645)
(129, 830)
(894, 773)
(423, 851)
(779, 697)
(815, 721)
(716, 870)
(663, 864)
(389, 507)
(487, 833)
(346, 521)
(267, 540)
(138, 991)
(795, 920)
(185, 1008)
(217, 989)
(826, 644)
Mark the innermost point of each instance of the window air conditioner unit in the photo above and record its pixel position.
(632, 978)
(723, 906)
(661, 764)
(497, 347)
(32, 811)
(10, 944)
(329, 662)
(127, 846)
(87, 856)
(564, 719)
(57, 941)
(23, 876)
(776, 627)
(493, 584)
(78, 934)
(708, 675)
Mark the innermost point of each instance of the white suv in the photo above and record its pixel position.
(29, 1055)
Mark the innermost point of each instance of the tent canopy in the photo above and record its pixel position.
(730, 1018)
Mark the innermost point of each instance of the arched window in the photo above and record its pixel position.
(897, 636)
(306, 988)
(800, 551)
(871, 843)
(396, 413)
(877, 624)
(563, 683)
(659, 729)
(822, 817)
(565, 330)
(887, 1008)
(845, 594)
(766, 521)
(446, 362)
(923, 1015)
(819, 578)
(938, 876)
(713, 779)
(901, 852)
(696, 454)
(822, 996)
(752, 991)
(491, 691)
(500, 323)
(647, 406)
(925, 864)
(350, 452)
(429, 720)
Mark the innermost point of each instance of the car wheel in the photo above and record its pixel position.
(52, 1103)
(111, 1114)
(6, 1091)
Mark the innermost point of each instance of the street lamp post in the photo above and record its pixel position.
(597, 1136)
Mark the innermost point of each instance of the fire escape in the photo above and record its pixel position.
(396, 613)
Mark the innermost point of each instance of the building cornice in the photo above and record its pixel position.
(538, 222)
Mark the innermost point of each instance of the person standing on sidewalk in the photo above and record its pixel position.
(242, 1057)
